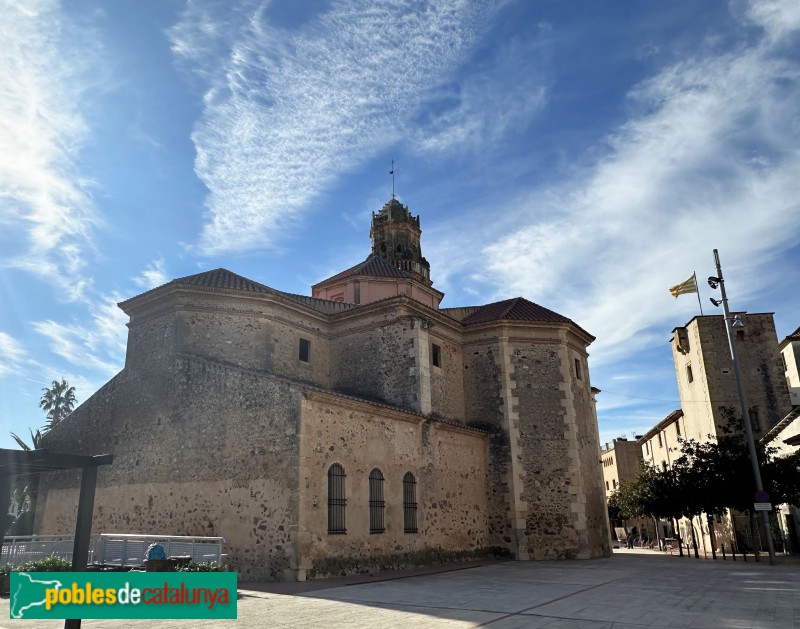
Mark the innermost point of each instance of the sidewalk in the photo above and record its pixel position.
(627, 591)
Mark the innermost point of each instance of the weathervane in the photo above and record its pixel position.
(391, 172)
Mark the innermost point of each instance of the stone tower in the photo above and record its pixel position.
(706, 383)
(395, 265)
(395, 236)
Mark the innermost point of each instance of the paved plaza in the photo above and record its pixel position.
(629, 590)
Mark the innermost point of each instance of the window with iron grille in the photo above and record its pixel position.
(409, 503)
(376, 502)
(337, 501)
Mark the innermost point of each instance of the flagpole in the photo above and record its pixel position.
(699, 303)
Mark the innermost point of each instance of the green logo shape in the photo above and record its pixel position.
(122, 595)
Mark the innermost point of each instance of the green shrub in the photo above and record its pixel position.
(205, 566)
(48, 564)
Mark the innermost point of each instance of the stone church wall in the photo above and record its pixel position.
(543, 425)
(209, 450)
(592, 514)
(483, 406)
(376, 361)
(449, 464)
(447, 380)
(254, 333)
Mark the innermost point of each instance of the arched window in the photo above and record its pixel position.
(337, 501)
(409, 503)
(376, 502)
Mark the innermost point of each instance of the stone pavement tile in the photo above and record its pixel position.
(543, 622)
(475, 594)
(294, 612)
(632, 591)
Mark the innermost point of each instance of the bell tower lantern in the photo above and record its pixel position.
(395, 236)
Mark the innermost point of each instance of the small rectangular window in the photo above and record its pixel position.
(606, 485)
(305, 347)
(436, 355)
(754, 423)
(689, 374)
(678, 428)
(578, 373)
(660, 443)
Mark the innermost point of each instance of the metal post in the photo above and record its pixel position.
(83, 528)
(748, 429)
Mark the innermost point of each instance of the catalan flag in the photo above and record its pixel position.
(689, 286)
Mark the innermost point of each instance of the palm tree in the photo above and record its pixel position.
(58, 400)
(25, 489)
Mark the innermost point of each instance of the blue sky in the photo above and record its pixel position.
(585, 155)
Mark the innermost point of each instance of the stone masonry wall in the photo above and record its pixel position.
(540, 396)
(376, 361)
(209, 450)
(589, 504)
(256, 333)
(714, 384)
(483, 404)
(449, 464)
(447, 380)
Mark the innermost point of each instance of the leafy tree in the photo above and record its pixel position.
(25, 489)
(58, 400)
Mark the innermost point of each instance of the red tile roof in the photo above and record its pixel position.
(222, 278)
(517, 309)
(373, 266)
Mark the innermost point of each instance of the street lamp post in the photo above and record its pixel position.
(730, 322)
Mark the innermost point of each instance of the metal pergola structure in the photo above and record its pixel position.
(15, 463)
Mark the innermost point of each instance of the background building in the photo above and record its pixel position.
(790, 355)
(709, 398)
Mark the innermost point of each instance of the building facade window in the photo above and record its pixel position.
(606, 485)
(678, 428)
(614, 482)
(755, 424)
(409, 503)
(689, 374)
(436, 355)
(578, 372)
(376, 502)
(660, 443)
(305, 350)
(337, 500)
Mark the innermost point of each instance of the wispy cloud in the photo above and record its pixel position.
(11, 354)
(707, 159)
(45, 200)
(473, 115)
(288, 111)
(154, 275)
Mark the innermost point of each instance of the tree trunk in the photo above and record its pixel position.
(678, 535)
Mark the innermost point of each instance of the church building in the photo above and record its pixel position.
(361, 428)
